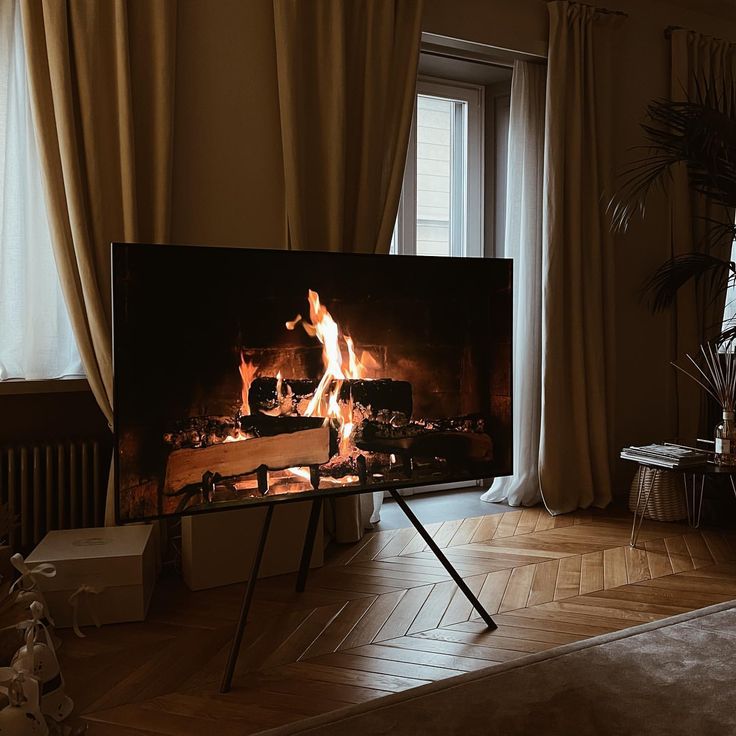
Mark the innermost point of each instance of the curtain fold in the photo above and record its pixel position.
(102, 85)
(697, 62)
(347, 82)
(574, 462)
(523, 243)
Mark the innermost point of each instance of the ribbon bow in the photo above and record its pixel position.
(83, 592)
(27, 582)
(28, 574)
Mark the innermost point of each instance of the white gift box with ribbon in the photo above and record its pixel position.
(103, 575)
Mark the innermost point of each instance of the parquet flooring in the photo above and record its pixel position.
(383, 616)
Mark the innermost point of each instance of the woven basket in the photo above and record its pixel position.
(667, 499)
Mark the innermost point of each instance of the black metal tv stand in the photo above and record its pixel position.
(301, 579)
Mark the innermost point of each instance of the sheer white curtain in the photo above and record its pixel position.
(523, 243)
(36, 339)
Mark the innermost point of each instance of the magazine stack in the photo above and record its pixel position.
(673, 457)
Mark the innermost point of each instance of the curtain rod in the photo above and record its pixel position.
(602, 11)
(671, 29)
(459, 56)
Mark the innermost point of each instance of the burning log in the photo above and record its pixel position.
(204, 431)
(261, 425)
(200, 431)
(455, 438)
(307, 447)
(381, 395)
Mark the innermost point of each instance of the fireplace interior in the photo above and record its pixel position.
(245, 376)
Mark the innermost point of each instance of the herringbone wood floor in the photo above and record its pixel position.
(383, 616)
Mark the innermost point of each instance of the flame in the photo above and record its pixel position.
(355, 368)
(247, 374)
(339, 364)
(279, 387)
(327, 332)
(325, 401)
(292, 323)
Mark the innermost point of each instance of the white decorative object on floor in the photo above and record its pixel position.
(37, 659)
(26, 587)
(103, 575)
(22, 716)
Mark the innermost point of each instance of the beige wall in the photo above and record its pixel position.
(228, 176)
(229, 183)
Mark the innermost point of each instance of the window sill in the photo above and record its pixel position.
(51, 386)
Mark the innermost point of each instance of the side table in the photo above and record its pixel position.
(694, 478)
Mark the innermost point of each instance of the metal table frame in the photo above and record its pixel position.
(693, 492)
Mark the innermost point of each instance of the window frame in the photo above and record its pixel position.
(471, 167)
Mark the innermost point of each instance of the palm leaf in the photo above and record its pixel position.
(699, 134)
(673, 274)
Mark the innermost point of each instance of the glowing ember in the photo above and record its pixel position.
(299, 472)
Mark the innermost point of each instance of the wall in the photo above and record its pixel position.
(228, 176)
(51, 415)
(644, 380)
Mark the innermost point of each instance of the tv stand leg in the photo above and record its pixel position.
(441, 557)
(227, 677)
(309, 538)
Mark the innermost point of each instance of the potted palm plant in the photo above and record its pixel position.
(700, 134)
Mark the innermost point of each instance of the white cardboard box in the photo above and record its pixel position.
(218, 548)
(119, 561)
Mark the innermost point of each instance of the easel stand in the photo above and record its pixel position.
(301, 580)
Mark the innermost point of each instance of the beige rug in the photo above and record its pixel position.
(674, 677)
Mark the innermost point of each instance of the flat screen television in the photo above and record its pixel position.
(245, 377)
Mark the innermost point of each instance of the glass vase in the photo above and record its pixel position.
(725, 453)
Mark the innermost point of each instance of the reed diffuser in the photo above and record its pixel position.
(717, 376)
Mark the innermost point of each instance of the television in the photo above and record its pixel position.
(248, 377)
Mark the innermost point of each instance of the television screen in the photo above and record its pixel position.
(248, 376)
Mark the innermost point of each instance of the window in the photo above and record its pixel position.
(453, 196)
(729, 308)
(441, 213)
(36, 339)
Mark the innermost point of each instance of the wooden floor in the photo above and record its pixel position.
(383, 616)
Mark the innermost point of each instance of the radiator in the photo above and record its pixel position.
(55, 485)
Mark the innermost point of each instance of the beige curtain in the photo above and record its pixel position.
(347, 83)
(574, 467)
(696, 60)
(102, 82)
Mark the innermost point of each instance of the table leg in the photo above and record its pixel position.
(694, 499)
(635, 528)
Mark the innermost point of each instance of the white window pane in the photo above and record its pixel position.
(433, 215)
(36, 339)
(729, 308)
(434, 169)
